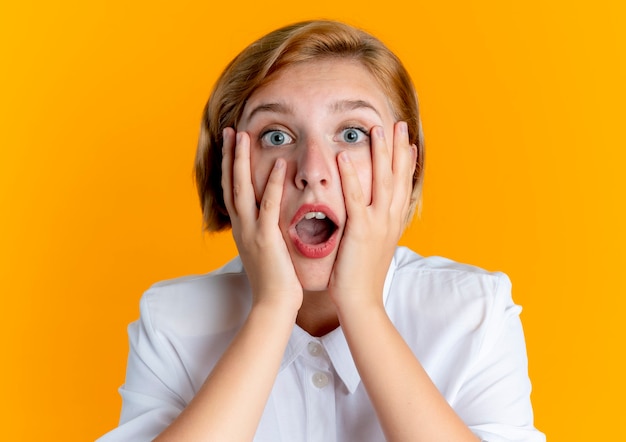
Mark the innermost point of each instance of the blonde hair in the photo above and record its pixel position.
(255, 66)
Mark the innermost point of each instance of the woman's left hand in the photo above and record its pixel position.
(408, 404)
(372, 230)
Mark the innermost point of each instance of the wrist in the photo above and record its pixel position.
(278, 304)
(359, 305)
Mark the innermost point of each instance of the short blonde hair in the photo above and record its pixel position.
(255, 66)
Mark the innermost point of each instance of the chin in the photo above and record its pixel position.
(313, 279)
(315, 287)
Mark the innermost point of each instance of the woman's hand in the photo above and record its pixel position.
(255, 229)
(372, 231)
(407, 403)
(230, 403)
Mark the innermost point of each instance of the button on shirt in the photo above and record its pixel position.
(460, 322)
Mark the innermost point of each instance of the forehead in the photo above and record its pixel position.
(323, 83)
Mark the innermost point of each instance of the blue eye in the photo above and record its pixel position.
(276, 138)
(353, 135)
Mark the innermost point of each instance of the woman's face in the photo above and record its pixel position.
(308, 114)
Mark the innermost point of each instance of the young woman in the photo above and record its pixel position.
(322, 329)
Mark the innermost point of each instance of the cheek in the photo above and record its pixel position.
(363, 165)
(258, 182)
(260, 168)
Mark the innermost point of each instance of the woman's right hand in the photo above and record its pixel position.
(255, 228)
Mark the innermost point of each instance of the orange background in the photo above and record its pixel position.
(523, 109)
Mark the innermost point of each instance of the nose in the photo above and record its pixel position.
(315, 163)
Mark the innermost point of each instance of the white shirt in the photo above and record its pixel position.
(459, 320)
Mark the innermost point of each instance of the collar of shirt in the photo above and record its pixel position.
(334, 344)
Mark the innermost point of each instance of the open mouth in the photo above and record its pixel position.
(315, 228)
(314, 231)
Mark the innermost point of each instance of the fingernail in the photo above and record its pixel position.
(404, 127)
(238, 137)
(278, 164)
(379, 132)
(343, 156)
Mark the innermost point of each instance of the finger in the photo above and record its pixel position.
(411, 176)
(228, 144)
(269, 211)
(243, 191)
(351, 187)
(403, 167)
(382, 174)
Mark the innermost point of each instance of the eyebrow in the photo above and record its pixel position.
(278, 108)
(336, 107)
(348, 105)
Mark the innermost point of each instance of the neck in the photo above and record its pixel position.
(318, 315)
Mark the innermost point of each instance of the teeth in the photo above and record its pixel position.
(316, 215)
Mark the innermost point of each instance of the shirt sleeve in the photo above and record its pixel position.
(150, 394)
(495, 399)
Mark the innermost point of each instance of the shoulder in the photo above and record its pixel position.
(199, 304)
(441, 289)
(435, 273)
(450, 314)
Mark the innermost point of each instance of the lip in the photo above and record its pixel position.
(314, 251)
